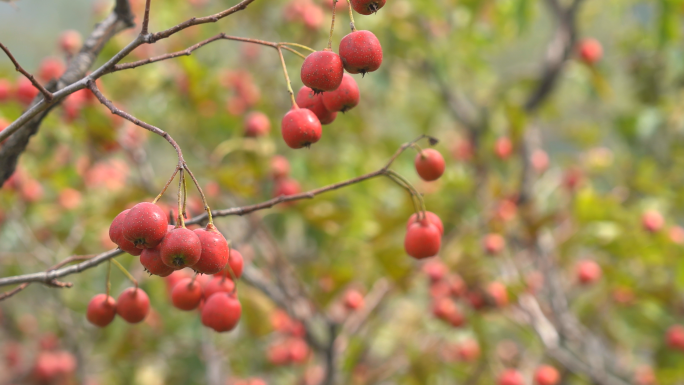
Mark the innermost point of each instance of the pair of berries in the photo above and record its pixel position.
(424, 235)
(359, 52)
(133, 305)
(144, 230)
(284, 184)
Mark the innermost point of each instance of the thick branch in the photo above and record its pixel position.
(46, 93)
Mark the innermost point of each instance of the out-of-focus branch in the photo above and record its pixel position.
(47, 94)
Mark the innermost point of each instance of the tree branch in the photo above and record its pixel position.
(47, 94)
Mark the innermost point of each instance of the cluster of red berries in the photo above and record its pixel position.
(544, 375)
(290, 346)
(327, 89)
(50, 365)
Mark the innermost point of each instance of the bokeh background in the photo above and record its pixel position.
(612, 132)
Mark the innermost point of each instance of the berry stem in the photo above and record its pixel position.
(194, 277)
(204, 198)
(185, 196)
(419, 149)
(108, 285)
(416, 205)
(126, 273)
(181, 220)
(168, 183)
(297, 45)
(413, 192)
(332, 24)
(351, 17)
(287, 78)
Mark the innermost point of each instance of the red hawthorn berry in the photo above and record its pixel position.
(257, 124)
(493, 243)
(429, 164)
(219, 285)
(306, 98)
(25, 91)
(344, 98)
(235, 263)
(301, 128)
(101, 310)
(510, 377)
(443, 307)
(50, 68)
(145, 225)
(588, 272)
(152, 262)
(361, 52)
(539, 160)
(439, 289)
(322, 71)
(221, 312)
(546, 375)
(468, 350)
(5, 90)
(675, 337)
(214, 247)
(286, 187)
(175, 277)
(278, 354)
(457, 285)
(497, 291)
(187, 294)
(367, 7)
(652, 221)
(503, 147)
(280, 167)
(133, 305)
(431, 217)
(353, 300)
(422, 240)
(434, 268)
(298, 350)
(116, 234)
(590, 51)
(180, 248)
(70, 41)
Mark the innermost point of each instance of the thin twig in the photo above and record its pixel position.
(146, 18)
(46, 93)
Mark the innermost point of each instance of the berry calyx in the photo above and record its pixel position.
(101, 310)
(221, 312)
(301, 128)
(422, 240)
(431, 217)
(361, 52)
(214, 255)
(306, 98)
(133, 305)
(546, 375)
(367, 7)
(322, 71)
(219, 285)
(116, 234)
(145, 225)
(344, 98)
(180, 248)
(429, 164)
(186, 294)
(257, 124)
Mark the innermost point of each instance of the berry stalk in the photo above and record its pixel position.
(332, 24)
(204, 198)
(351, 17)
(126, 273)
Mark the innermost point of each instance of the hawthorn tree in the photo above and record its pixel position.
(237, 261)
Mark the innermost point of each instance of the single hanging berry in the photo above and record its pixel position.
(186, 294)
(322, 71)
(301, 128)
(431, 217)
(221, 312)
(422, 239)
(344, 98)
(429, 164)
(133, 305)
(180, 248)
(367, 7)
(306, 98)
(361, 52)
(101, 310)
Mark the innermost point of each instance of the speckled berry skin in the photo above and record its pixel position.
(151, 260)
(344, 98)
(301, 128)
(101, 310)
(361, 52)
(180, 248)
(133, 305)
(214, 251)
(307, 98)
(367, 7)
(145, 225)
(322, 71)
(221, 312)
(116, 234)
